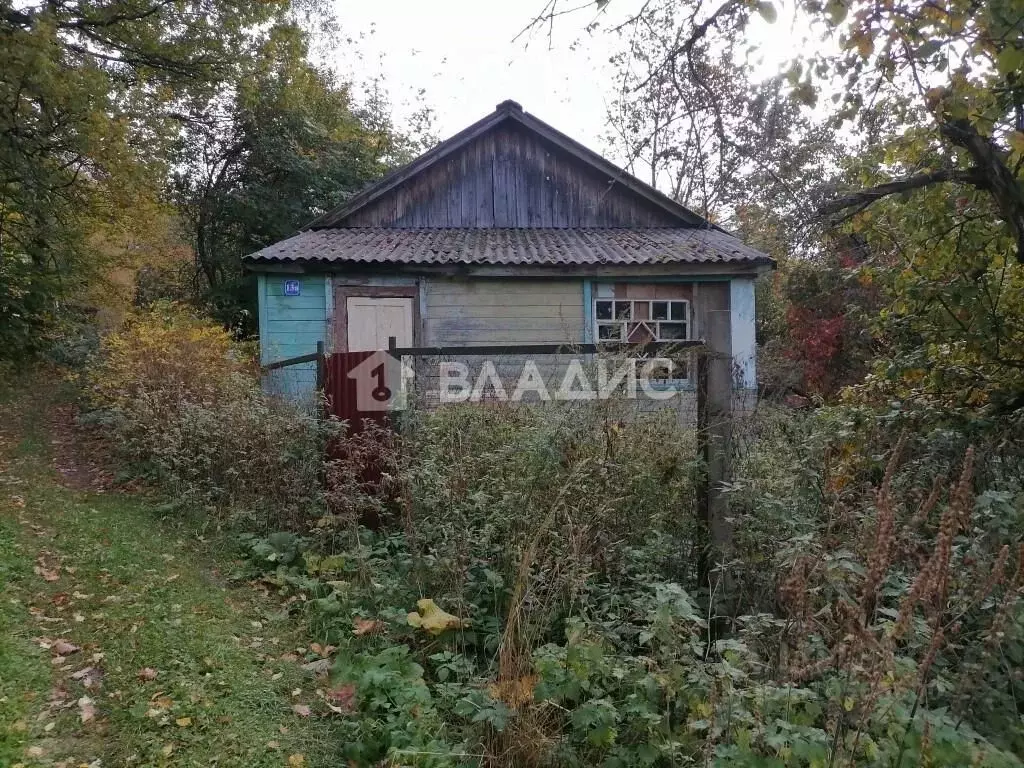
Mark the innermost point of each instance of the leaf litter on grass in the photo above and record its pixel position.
(126, 646)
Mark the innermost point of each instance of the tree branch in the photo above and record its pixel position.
(84, 22)
(696, 35)
(1000, 181)
(16, 18)
(866, 197)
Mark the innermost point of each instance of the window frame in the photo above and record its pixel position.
(652, 325)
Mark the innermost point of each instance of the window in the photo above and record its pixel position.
(640, 320)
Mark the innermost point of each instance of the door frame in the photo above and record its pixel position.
(342, 293)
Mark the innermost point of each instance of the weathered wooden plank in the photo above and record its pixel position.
(295, 327)
(443, 311)
(504, 197)
(485, 182)
(524, 183)
(492, 298)
(472, 323)
(511, 177)
(485, 303)
(280, 306)
(459, 287)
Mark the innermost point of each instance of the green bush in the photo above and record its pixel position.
(186, 413)
(529, 595)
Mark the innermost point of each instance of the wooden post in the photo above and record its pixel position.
(322, 408)
(714, 436)
(321, 368)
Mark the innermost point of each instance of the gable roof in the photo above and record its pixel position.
(511, 112)
(511, 191)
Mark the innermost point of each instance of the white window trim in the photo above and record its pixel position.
(624, 325)
(652, 325)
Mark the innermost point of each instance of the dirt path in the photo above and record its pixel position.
(120, 642)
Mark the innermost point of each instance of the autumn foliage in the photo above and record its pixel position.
(168, 355)
(184, 405)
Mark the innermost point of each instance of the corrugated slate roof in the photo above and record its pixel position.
(533, 247)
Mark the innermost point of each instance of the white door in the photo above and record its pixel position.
(371, 321)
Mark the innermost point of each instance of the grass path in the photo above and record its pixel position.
(121, 643)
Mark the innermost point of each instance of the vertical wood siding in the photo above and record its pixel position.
(510, 178)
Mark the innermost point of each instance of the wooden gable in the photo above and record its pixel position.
(510, 170)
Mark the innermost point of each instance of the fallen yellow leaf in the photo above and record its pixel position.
(296, 761)
(434, 620)
(184, 722)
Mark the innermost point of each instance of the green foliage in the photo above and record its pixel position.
(281, 144)
(398, 719)
(578, 639)
(186, 413)
(91, 96)
(953, 316)
(59, 150)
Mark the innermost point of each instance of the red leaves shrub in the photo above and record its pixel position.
(817, 345)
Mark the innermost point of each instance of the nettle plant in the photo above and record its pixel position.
(903, 634)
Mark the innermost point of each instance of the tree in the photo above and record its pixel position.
(960, 64)
(690, 116)
(961, 67)
(936, 186)
(90, 93)
(282, 144)
(925, 107)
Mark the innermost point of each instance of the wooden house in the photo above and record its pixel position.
(508, 232)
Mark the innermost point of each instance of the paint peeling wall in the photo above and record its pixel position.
(470, 312)
(744, 343)
(291, 326)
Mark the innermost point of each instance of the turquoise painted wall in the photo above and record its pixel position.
(291, 326)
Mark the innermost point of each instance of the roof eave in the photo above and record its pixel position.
(697, 270)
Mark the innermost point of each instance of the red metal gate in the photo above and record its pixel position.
(341, 388)
(350, 380)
